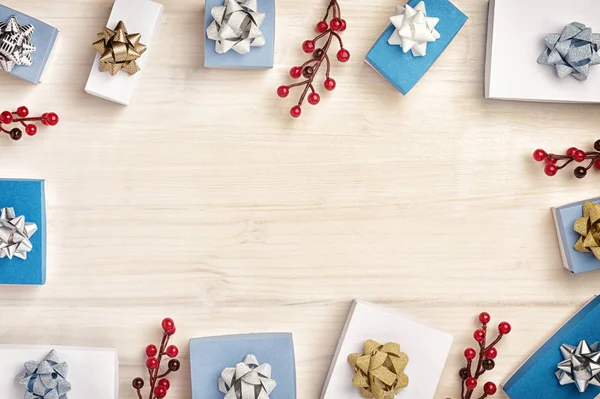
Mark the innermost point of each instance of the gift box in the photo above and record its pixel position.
(139, 17)
(27, 198)
(43, 38)
(427, 349)
(209, 357)
(564, 221)
(258, 57)
(537, 378)
(404, 70)
(515, 40)
(93, 373)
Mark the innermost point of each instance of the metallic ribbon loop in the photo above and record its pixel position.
(247, 380)
(119, 50)
(236, 26)
(15, 45)
(581, 365)
(379, 370)
(15, 234)
(414, 29)
(588, 227)
(45, 379)
(572, 52)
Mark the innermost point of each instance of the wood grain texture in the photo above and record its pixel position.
(204, 201)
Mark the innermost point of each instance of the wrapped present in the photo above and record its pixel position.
(260, 365)
(567, 365)
(578, 237)
(122, 48)
(22, 232)
(412, 356)
(26, 44)
(240, 34)
(418, 35)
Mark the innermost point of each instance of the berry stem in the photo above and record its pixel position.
(154, 373)
(319, 62)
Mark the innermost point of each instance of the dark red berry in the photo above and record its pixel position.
(174, 365)
(283, 91)
(597, 164)
(137, 383)
(22, 112)
(322, 26)
(463, 373)
(539, 155)
(484, 317)
(504, 327)
(15, 134)
(295, 111)
(580, 172)
(308, 71)
(488, 364)
(479, 335)
(163, 382)
(489, 388)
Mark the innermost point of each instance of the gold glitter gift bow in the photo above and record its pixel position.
(119, 50)
(588, 227)
(379, 370)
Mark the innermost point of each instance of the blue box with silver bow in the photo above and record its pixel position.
(240, 34)
(260, 365)
(566, 366)
(22, 232)
(418, 35)
(25, 44)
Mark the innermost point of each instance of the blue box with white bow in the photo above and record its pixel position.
(418, 35)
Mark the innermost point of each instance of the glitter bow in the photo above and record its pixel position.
(414, 29)
(379, 370)
(15, 47)
(15, 234)
(119, 50)
(45, 379)
(581, 365)
(572, 52)
(588, 227)
(236, 26)
(247, 380)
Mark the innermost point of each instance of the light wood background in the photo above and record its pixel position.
(204, 201)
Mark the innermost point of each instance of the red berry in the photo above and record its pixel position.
(51, 119)
(343, 55)
(152, 363)
(322, 26)
(172, 351)
(31, 130)
(343, 27)
(22, 112)
(163, 382)
(296, 72)
(491, 353)
(551, 161)
(489, 388)
(539, 155)
(44, 121)
(471, 383)
(550, 170)
(597, 163)
(479, 335)
(470, 353)
(484, 317)
(296, 111)
(160, 392)
(314, 98)
(504, 327)
(308, 46)
(283, 91)
(168, 324)
(571, 151)
(579, 156)
(6, 117)
(329, 84)
(151, 350)
(336, 24)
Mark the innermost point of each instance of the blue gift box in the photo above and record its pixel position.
(28, 199)
(403, 70)
(210, 356)
(258, 57)
(564, 219)
(43, 39)
(535, 379)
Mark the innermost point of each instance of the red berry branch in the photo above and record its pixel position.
(573, 154)
(158, 384)
(327, 32)
(21, 116)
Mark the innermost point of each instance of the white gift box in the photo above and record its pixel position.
(516, 31)
(93, 372)
(139, 16)
(427, 349)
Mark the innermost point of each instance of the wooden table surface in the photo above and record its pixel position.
(204, 201)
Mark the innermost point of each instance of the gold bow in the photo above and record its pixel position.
(119, 50)
(589, 228)
(379, 370)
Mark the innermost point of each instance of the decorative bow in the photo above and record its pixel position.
(247, 380)
(15, 47)
(588, 227)
(581, 365)
(45, 379)
(15, 234)
(414, 29)
(573, 51)
(379, 370)
(236, 26)
(119, 50)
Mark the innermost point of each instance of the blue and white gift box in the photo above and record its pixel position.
(404, 69)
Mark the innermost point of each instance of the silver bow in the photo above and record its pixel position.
(581, 365)
(15, 234)
(15, 47)
(247, 380)
(45, 379)
(572, 52)
(236, 26)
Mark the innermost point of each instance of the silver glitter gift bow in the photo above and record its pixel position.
(581, 365)
(247, 380)
(15, 45)
(236, 26)
(15, 234)
(45, 379)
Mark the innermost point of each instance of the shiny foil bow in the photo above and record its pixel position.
(119, 50)
(15, 234)
(15, 45)
(379, 370)
(236, 26)
(588, 227)
(572, 52)
(414, 29)
(581, 365)
(45, 379)
(247, 380)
